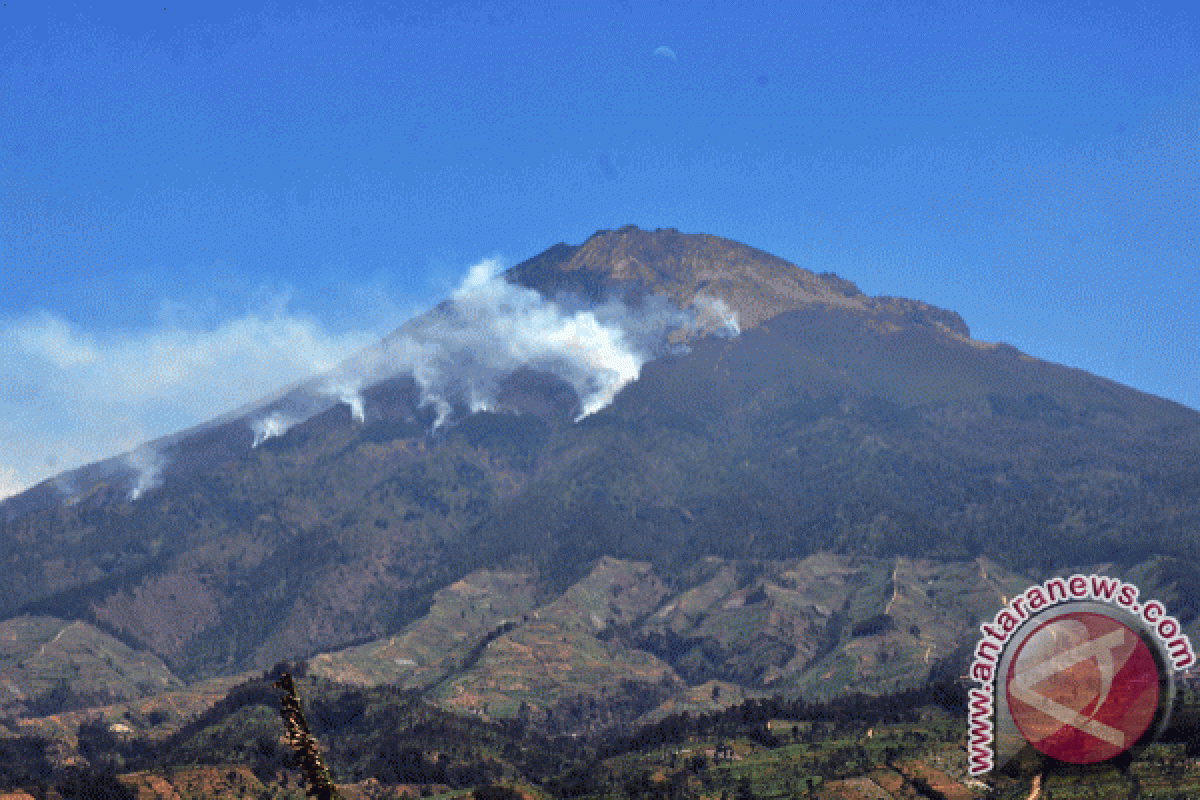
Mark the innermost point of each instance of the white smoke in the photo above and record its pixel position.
(347, 391)
(715, 313)
(458, 353)
(477, 402)
(149, 465)
(76, 396)
(276, 423)
(490, 328)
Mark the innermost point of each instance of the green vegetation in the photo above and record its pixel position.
(908, 744)
(397, 738)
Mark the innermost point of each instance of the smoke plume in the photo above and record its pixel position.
(76, 395)
(458, 353)
(274, 424)
(346, 391)
(716, 314)
(149, 466)
(490, 328)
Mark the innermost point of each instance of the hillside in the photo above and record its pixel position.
(51, 665)
(822, 435)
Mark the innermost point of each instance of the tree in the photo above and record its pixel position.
(316, 775)
(89, 783)
(496, 793)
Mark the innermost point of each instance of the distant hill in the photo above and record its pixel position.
(48, 666)
(792, 430)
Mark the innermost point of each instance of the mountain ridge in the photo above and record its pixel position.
(824, 421)
(756, 284)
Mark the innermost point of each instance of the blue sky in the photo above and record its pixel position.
(199, 205)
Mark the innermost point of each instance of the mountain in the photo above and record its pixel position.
(786, 439)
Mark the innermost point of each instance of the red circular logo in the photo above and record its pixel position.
(1083, 688)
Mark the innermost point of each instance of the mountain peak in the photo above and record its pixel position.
(683, 266)
(832, 422)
